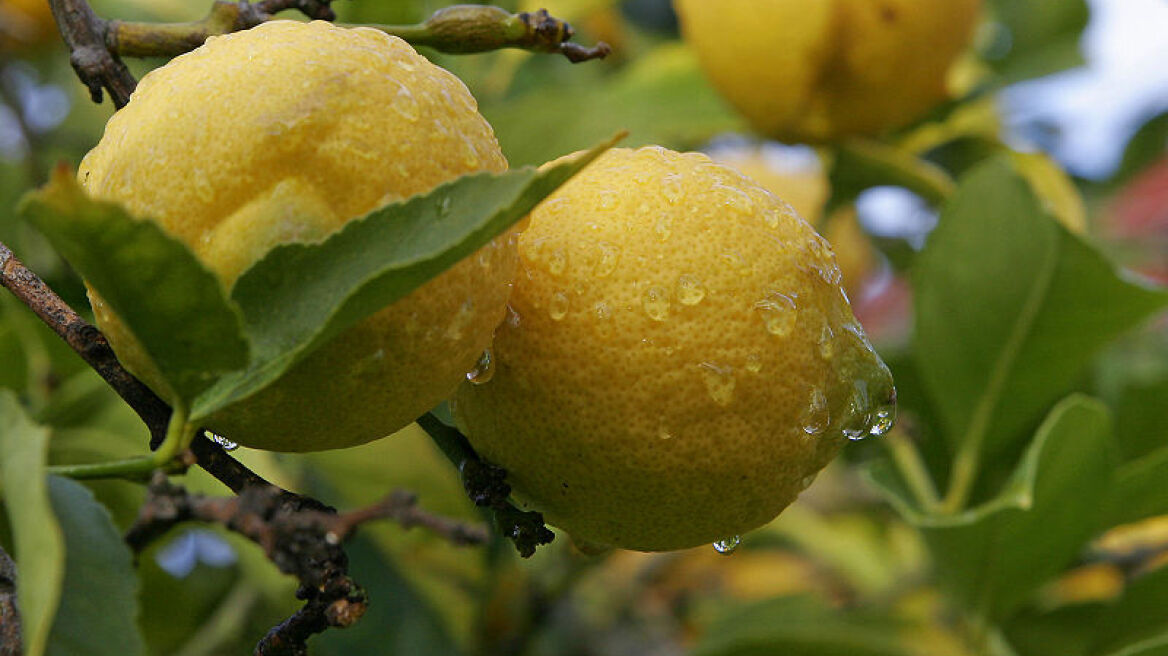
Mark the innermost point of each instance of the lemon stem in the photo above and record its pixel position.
(912, 467)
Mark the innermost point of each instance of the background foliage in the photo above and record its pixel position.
(1031, 359)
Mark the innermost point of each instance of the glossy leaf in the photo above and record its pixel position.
(39, 544)
(300, 295)
(98, 615)
(994, 556)
(1010, 307)
(797, 627)
(174, 305)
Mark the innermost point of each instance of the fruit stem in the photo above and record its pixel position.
(131, 469)
(178, 437)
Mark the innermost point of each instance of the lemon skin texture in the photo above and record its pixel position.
(821, 70)
(678, 359)
(284, 133)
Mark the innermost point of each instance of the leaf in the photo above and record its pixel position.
(661, 98)
(98, 615)
(1010, 307)
(994, 556)
(1141, 416)
(39, 545)
(862, 164)
(301, 295)
(1040, 37)
(1136, 622)
(797, 627)
(174, 306)
(1141, 489)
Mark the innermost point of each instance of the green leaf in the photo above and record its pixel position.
(1141, 417)
(1136, 621)
(862, 164)
(39, 545)
(98, 615)
(174, 306)
(660, 98)
(1010, 307)
(1141, 489)
(1146, 147)
(1040, 37)
(301, 295)
(798, 627)
(994, 556)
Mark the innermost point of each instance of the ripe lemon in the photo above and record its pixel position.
(678, 359)
(25, 24)
(817, 70)
(286, 132)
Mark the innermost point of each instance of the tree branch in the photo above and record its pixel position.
(98, 67)
(301, 540)
(487, 487)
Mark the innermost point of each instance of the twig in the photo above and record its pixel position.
(302, 541)
(95, 44)
(487, 487)
(10, 644)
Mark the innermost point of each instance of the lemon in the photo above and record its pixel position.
(818, 70)
(284, 133)
(25, 24)
(678, 360)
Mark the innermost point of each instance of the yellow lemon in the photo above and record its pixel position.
(678, 361)
(818, 70)
(284, 133)
(25, 24)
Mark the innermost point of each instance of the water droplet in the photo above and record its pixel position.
(223, 442)
(735, 199)
(816, 416)
(602, 310)
(558, 306)
(663, 227)
(778, 312)
(690, 290)
(671, 188)
(829, 272)
(858, 421)
(484, 369)
(512, 317)
(720, 382)
(444, 204)
(460, 321)
(406, 105)
(807, 481)
(771, 216)
(606, 260)
(754, 363)
(885, 417)
(656, 303)
(664, 434)
(726, 546)
(606, 199)
(557, 262)
(827, 342)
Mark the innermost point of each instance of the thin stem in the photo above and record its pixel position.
(131, 469)
(178, 437)
(912, 467)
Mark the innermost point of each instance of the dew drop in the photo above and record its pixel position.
(807, 481)
(664, 434)
(754, 363)
(602, 310)
(720, 382)
(484, 369)
(778, 312)
(726, 546)
(443, 205)
(857, 424)
(816, 416)
(512, 318)
(690, 290)
(885, 417)
(827, 342)
(558, 306)
(557, 262)
(663, 227)
(406, 105)
(656, 303)
(736, 200)
(671, 188)
(223, 442)
(606, 199)
(607, 259)
(829, 272)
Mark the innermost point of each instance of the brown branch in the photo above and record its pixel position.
(10, 644)
(97, 66)
(301, 540)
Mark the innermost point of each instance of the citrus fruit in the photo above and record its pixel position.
(25, 24)
(678, 360)
(285, 132)
(818, 70)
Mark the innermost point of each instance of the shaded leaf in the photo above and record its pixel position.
(1010, 307)
(798, 627)
(862, 164)
(1038, 37)
(39, 545)
(1141, 489)
(98, 614)
(175, 307)
(1136, 621)
(1141, 417)
(299, 296)
(994, 556)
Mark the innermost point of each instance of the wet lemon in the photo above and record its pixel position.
(284, 133)
(818, 70)
(678, 360)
